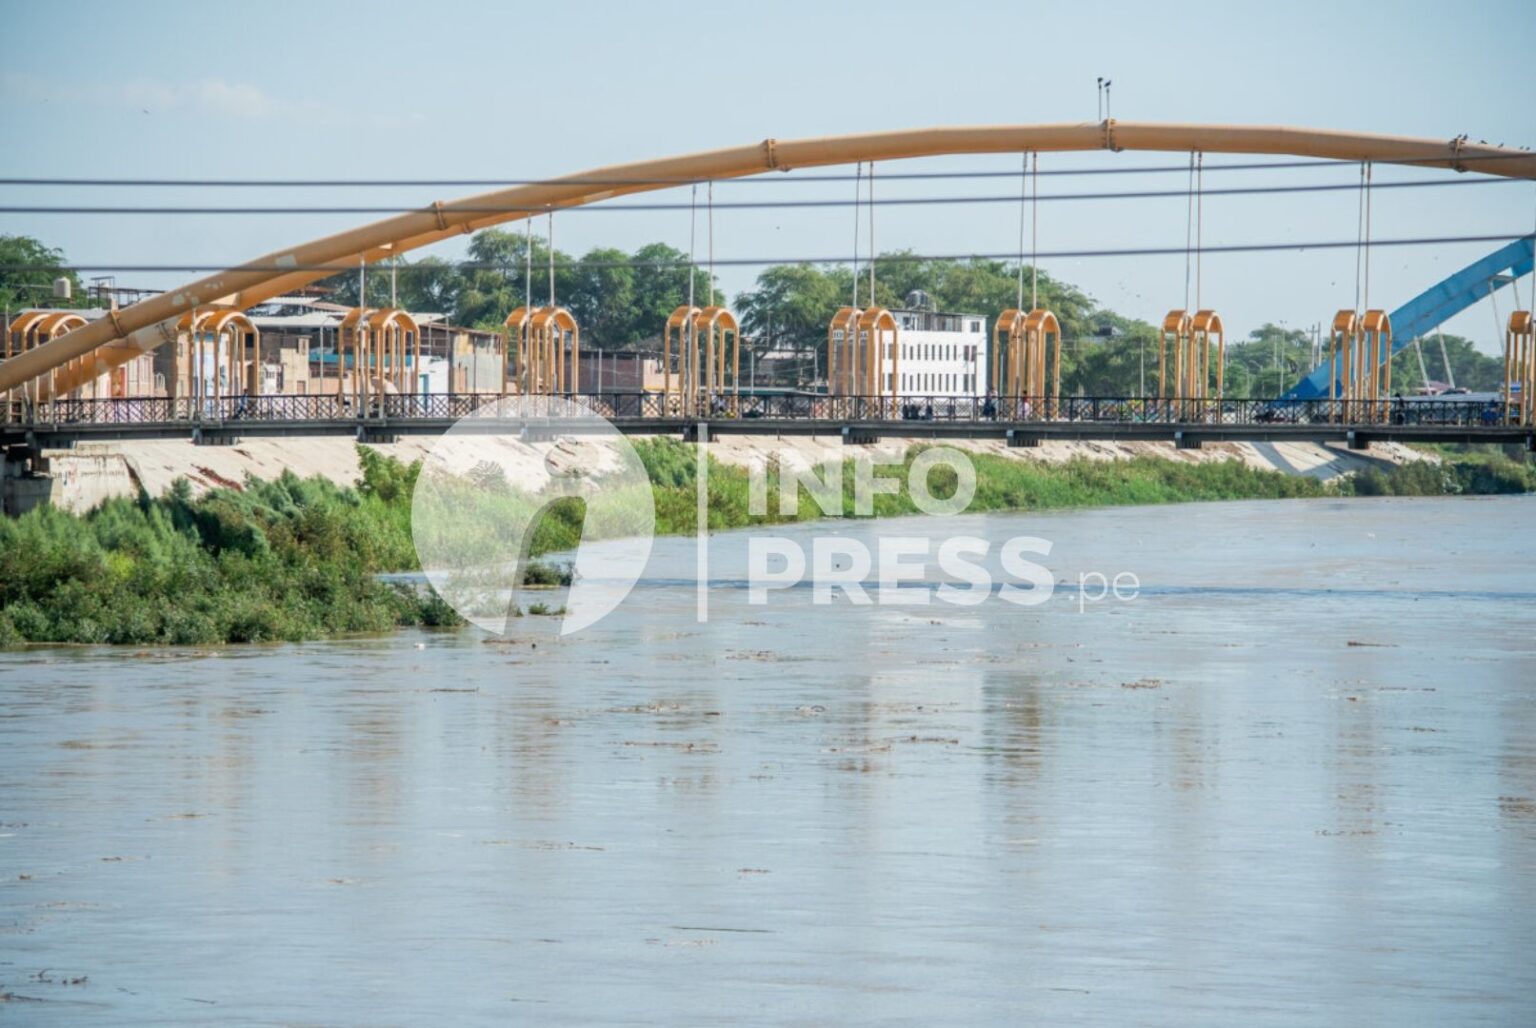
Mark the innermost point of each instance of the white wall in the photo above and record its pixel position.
(944, 363)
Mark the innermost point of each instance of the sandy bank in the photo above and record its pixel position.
(122, 468)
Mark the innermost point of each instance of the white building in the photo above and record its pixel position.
(941, 354)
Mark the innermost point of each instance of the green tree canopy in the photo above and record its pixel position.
(27, 271)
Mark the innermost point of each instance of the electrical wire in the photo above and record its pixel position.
(761, 178)
(893, 258)
(610, 208)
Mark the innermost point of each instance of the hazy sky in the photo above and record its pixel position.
(500, 90)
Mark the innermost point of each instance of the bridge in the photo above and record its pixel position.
(1347, 400)
(856, 419)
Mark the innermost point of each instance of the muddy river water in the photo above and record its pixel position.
(1291, 781)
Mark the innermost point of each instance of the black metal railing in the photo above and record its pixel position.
(633, 406)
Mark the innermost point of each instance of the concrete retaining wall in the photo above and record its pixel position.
(79, 479)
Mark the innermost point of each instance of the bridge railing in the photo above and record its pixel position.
(640, 406)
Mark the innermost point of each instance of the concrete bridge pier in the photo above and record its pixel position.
(75, 479)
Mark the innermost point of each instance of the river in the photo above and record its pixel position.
(1291, 781)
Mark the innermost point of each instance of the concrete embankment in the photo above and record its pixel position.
(82, 478)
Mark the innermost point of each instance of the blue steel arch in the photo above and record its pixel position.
(1434, 306)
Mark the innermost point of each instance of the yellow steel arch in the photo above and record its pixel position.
(138, 326)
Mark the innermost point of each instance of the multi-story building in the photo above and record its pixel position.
(941, 354)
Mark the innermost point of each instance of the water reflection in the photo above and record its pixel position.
(1273, 790)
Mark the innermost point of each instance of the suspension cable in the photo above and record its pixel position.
(872, 234)
(1367, 273)
(1199, 223)
(1034, 237)
(693, 218)
(551, 258)
(1023, 202)
(528, 267)
(1189, 224)
(711, 218)
(857, 200)
(1359, 232)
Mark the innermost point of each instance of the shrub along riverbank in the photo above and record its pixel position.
(293, 559)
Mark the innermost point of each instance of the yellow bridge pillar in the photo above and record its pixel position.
(1520, 370)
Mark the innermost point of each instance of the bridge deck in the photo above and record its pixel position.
(855, 419)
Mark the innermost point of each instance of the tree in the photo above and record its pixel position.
(603, 299)
(662, 277)
(1473, 369)
(1271, 360)
(27, 271)
(791, 306)
(509, 272)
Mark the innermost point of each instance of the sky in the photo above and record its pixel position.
(456, 90)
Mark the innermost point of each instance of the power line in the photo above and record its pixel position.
(759, 178)
(918, 201)
(894, 258)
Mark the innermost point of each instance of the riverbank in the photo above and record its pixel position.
(82, 478)
(295, 558)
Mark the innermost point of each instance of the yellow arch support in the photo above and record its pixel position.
(31, 330)
(545, 344)
(220, 333)
(1042, 332)
(515, 344)
(1360, 355)
(679, 324)
(1341, 354)
(707, 342)
(377, 339)
(721, 332)
(1520, 369)
(842, 351)
(1007, 349)
(863, 353)
(397, 340)
(1204, 327)
(879, 344)
(1376, 372)
(136, 328)
(1173, 341)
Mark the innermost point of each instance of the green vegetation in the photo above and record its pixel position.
(288, 559)
(294, 559)
(27, 271)
(1002, 484)
(1464, 470)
